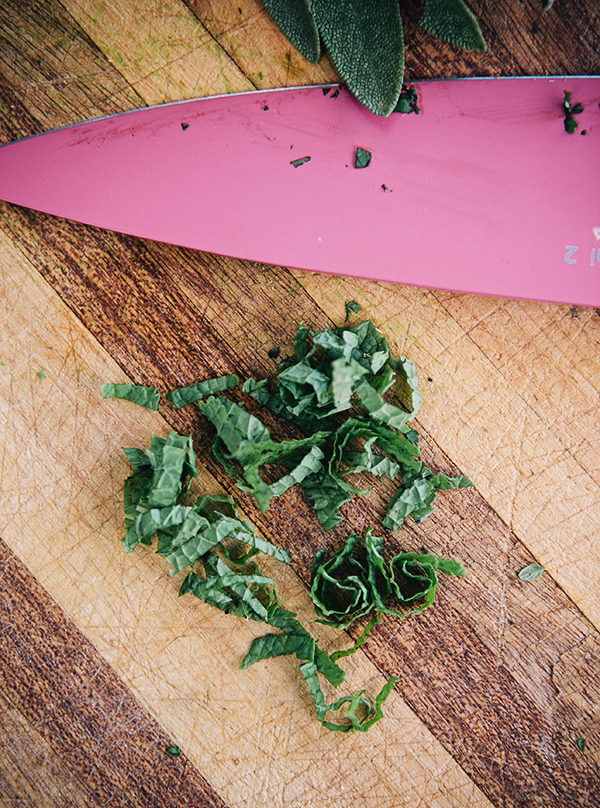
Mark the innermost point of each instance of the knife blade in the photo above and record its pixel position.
(483, 191)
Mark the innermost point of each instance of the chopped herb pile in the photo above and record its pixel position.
(335, 373)
(216, 547)
(332, 388)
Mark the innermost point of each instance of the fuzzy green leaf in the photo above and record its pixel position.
(454, 22)
(365, 42)
(144, 396)
(532, 572)
(295, 20)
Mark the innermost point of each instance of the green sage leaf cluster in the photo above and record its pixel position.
(365, 39)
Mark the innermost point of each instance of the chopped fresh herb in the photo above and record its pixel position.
(185, 126)
(333, 387)
(355, 581)
(532, 572)
(334, 371)
(326, 90)
(363, 158)
(300, 161)
(570, 111)
(195, 392)
(265, 108)
(352, 307)
(407, 101)
(41, 374)
(174, 750)
(144, 396)
(336, 93)
(581, 745)
(274, 353)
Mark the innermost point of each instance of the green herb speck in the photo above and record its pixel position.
(532, 572)
(363, 158)
(352, 307)
(300, 161)
(174, 750)
(41, 374)
(581, 744)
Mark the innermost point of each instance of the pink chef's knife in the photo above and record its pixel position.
(484, 191)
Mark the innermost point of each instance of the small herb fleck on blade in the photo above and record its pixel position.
(363, 158)
(532, 572)
(581, 745)
(300, 161)
(174, 750)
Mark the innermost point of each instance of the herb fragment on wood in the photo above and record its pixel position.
(174, 750)
(274, 353)
(195, 392)
(362, 158)
(300, 161)
(41, 374)
(352, 307)
(144, 396)
(532, 572)
(581, 745)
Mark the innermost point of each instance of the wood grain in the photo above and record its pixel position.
(253, 733)
(504, 674)
(496, 702)
(67, 719)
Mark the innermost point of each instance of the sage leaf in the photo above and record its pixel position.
(144, 396)
(366, 44)
(295, 20)
(532, 572)
(454, 22)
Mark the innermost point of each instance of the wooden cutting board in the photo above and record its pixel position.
(102, 667)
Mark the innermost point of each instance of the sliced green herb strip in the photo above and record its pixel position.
(532, 572)
(174, 750)
(362, 158)
(581, 745)
(300, 161)
(196, 392)
(144, 396)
